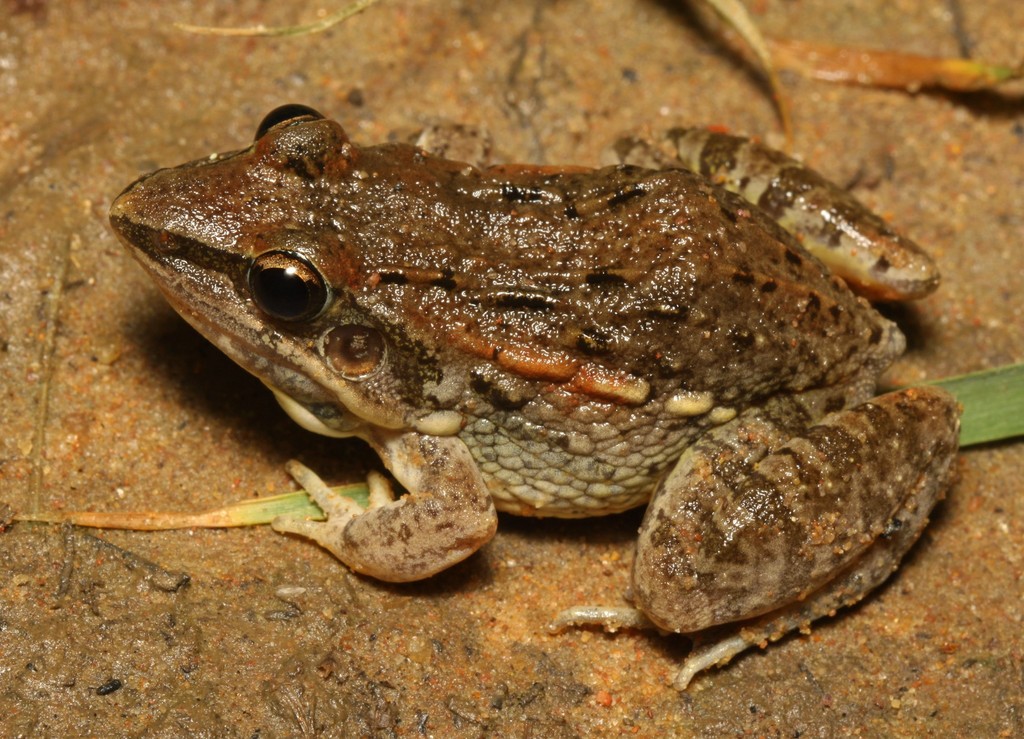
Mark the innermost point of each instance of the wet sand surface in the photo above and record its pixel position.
(112, 403)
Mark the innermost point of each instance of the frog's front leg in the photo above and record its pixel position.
(751, 524)
(446, 515)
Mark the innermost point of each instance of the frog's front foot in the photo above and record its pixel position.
(447, 515)
(339, 509)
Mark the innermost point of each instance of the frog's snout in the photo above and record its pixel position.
(126, 212)
(122, 215)
(126, 220)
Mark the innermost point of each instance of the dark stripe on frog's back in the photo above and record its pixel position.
(645, 277)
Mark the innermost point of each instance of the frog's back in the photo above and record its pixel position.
(626, 273)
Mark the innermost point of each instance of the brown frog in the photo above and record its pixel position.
(573, 342)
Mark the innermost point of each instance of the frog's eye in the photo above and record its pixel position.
(286, 286)
(353, 350)
(284, 113)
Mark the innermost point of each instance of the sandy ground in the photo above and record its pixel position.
(110, 402)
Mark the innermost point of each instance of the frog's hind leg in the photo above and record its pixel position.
(856, 244)
(877, 261)
(753, 527)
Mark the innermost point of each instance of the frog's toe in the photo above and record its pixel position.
(609, 618)
(707, 654)
(335, 506)
(298, 526)
(381, 492)
(299, 472)
(329, 534)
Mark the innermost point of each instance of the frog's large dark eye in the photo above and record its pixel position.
(286, 286)
(354, 350)
(284, 113)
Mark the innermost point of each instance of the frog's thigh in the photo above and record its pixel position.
(447, 515)
(745, 525)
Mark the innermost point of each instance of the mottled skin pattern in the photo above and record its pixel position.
(853, 242)
(558, 342)
(777, 531)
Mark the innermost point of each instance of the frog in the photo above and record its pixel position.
(570, 341)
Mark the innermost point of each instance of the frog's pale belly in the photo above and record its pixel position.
(571, 342)
(605, 465)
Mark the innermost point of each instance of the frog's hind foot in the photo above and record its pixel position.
(710, 648)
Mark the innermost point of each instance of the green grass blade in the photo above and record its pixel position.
(254, 512)
(993, 402)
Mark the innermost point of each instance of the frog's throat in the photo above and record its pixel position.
(307, 420)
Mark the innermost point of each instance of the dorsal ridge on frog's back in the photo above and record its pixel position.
(512, 354)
